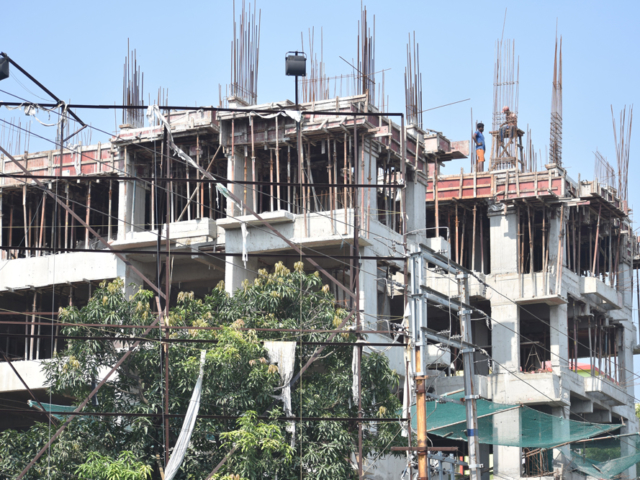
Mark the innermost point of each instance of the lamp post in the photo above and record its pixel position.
(4, 67)
(296, 66)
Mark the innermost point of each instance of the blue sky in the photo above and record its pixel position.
(77, 50)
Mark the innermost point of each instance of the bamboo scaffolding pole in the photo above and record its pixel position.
(531, 266)
(271, 180)
(43, 209)
(289, 199)
(329, 171)
(344, 190)
(24, 214)
(188, 185)
(590, 349)
(579, 265)
(435, 195)
(335, 188)
(595, 250)
(199, 185)
(457, 248)
(88, 215)
(561, 236)
(610, 275)
(278, 166)
(11, 252)
(33, 326)
(464, 224)
(518, 235)
(481, 245)
(253, 166)
(473, 240)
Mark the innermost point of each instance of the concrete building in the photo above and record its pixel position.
(554, 256)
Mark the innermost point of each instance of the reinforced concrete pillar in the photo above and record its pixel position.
(561, 430)
(559, 339)
(628, 447)
(416, 208)
(368, 281)
(235, 165)
(505, 336)
(125, 199)
(503, 230)
(235, 272)
(507, 461)
(138, 206)
(625, 283)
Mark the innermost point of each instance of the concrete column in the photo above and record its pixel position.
(503, 231)
(124, 200)
(505, 336)
(235, 272)
(626, 343)
(138, 206)
(554, 234)
(368, 281)
(558, 338)
(416, 207)
(370, 176)
(507, 461)
(625, 282)
(485, 460)
(480, 334)
(235, 164)
(628, 447)
(561, 430)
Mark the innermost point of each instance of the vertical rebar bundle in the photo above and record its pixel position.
(315, 86)
(15, 136)
(413, 84)
(366, 57)
(555, 142)
(506, 92)
(506, 81)
(245, 53)
(623, 143)
(132, 90)
(603, 172)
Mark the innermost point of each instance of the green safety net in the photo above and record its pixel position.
(606, 458)
(50, 407)
(506, 424)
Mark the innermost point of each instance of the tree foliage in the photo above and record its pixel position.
(239, 383)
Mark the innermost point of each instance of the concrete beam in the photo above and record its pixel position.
(599, 416)
(581, 406)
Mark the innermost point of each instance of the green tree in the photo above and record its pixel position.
(238, 386)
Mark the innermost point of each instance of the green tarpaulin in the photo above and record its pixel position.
(606, 458)
(506, 424)
(50, 407)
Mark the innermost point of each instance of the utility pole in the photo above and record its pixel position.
(418, 321)
(469, 390)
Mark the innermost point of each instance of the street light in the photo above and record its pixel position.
(4, 68)
(295, 66)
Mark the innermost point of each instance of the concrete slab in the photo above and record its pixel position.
(605, 392)
(279, 216)
(38, 272)
(202, 227)
(596, 289)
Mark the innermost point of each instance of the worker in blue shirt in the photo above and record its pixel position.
(478, 138)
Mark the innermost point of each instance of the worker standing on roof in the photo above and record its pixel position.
(478, 138)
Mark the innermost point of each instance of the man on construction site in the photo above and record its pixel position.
(509, 126)
(478, 138)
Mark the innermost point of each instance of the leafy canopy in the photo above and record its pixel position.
(239, 382)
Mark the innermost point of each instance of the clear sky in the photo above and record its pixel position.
(77, 50)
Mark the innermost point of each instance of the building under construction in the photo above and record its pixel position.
(549, 258)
